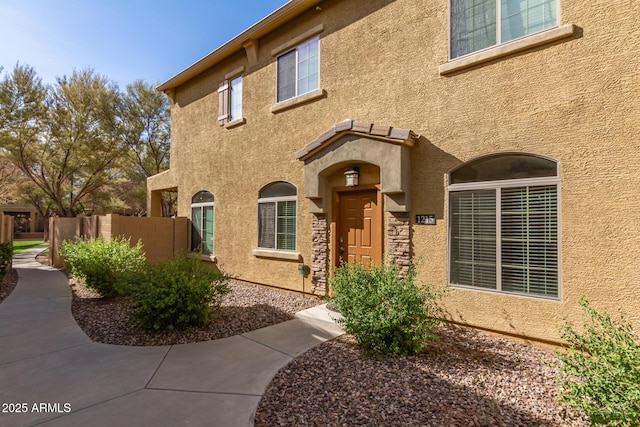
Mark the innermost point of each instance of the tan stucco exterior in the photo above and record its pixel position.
(572, 94)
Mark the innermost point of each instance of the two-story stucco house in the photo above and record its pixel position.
(495, 143)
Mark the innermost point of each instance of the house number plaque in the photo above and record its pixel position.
(426, 219)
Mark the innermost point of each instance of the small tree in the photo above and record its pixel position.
(600, 371)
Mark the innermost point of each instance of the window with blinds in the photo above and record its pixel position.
(277, 217)
(529, 237)
(473, 241)
(503, 233)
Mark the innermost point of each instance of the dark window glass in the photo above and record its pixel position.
(504, 166)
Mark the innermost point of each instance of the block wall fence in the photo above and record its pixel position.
(161, 237)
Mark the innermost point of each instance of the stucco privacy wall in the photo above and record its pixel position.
(575, 100)
(160, 237)
(6, 228)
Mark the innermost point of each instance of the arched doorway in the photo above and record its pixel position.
(352, 218)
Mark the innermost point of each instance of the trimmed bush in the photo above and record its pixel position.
(385, 313)
(6, 252)
(178, 293)
(600, 371)
(102, 265)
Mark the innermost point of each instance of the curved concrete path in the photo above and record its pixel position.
(55, 375)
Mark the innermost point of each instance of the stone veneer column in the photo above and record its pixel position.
(319, 254)
(399, 240)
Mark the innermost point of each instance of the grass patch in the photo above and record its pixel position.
(23, 245)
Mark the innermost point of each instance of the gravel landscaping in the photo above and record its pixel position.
(246, 308)
(465, 379)
(9, 281)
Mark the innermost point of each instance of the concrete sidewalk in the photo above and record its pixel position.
(52, 374)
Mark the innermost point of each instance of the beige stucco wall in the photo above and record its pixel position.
(161, 237)
(576, 100)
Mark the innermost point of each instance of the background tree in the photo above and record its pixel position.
(67, 138)
(10, 180)
(146, 131)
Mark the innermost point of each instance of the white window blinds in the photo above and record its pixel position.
(529, 238)
(473, 241)
(505, 239)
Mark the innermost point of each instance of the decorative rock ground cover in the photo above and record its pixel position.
(465, 379)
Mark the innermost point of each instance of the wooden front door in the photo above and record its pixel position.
(359, 227)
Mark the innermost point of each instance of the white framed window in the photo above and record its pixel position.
(235, 98)
(503, 225)
(230, 100)
(202, 222)
(479, 24)
(277, 212)
(298, 70)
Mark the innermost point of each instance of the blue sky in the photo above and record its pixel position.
(122, 40)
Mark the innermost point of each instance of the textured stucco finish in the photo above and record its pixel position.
(576, 100)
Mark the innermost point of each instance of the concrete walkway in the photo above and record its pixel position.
(52, 374)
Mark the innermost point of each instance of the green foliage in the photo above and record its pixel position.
(145, 116)
(81, 141)
(177, 293)
(6, 252)
(385, 313)
(600, 372)
(64, 138)
(102, 264)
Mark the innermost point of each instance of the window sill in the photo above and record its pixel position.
(266, 253)
(299, 100)
(509, 48)
(509, 294)
(235, 123)
(208, 258)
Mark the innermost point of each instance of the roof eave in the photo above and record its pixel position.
(280, 16)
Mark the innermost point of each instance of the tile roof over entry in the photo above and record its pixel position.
(349, 126)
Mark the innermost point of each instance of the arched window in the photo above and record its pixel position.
(277, 216)
(202, 222)
(503, 224)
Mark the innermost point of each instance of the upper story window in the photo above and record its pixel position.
(299, 70)
(235, 98)
(503, 225)
(277, 216)
(230, 99)
(479, 24)
(202, 222)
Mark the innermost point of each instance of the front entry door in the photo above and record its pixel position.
(360, 232)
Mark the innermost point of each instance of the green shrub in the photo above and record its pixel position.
(600, 371)
(384, 313)
(6, 252)
(102, 264)
(177, 293)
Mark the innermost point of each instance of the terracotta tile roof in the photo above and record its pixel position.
(349, 126)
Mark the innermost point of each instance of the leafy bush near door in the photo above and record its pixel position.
(385, 313)
(600, 371)
(102, 264)
(178, 293)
